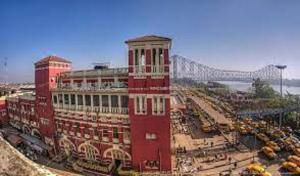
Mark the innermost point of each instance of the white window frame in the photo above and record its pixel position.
(140, 106)
(158, 108)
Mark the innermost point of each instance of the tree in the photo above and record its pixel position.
(263, 90)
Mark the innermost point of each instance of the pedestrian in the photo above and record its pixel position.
(212, 144)
(229, 159)
(235, 164)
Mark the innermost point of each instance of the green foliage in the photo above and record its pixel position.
(263, 90)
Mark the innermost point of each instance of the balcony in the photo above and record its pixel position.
(139, 69)
(124, 110)
(126, 141)
(115, 110)
(157, 68)
(115, 140)
(105, 139)
(93, 86)
(105, 109)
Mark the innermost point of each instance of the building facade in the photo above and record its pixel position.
(3, 111)
(110, 116)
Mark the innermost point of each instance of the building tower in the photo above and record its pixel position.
(149, 102)
(45, 79)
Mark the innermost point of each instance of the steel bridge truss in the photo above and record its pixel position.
(182, 67)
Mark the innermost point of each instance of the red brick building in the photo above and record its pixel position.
(3, 112)
(110, 116)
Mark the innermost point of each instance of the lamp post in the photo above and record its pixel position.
(281, 68)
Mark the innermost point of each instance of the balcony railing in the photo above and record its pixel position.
(105, 109)
(124, 110)
(126, 141)
(105, 139)
(115, 110)
(157, 68)
(139, 69)
(90, 111)
(93, 86)
(115, 140)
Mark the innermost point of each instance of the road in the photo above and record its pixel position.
(217, 116)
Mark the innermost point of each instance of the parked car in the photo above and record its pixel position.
(291, 167)
(263, 137)
(294, 159)
(273, 145)
(269, 152)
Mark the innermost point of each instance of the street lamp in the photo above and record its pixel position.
(281, 68)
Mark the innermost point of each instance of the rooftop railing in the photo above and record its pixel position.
(97, 72)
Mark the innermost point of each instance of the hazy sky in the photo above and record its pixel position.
(228, 34)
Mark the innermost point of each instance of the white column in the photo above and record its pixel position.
(83, 100)
(69, 98)
(57, 103)
(119, 103)
(72, 83)
(99, 82)
(76, 102)
(100, 103)
(109, 103)
(84, 83)
(156, 59)
(92, 102)
(63, 99)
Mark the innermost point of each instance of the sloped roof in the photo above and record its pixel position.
(52, 58)
(148, 38)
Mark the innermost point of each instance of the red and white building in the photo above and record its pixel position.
(106, 115)
(3, 111)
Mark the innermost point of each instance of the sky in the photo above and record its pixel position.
(228, 34)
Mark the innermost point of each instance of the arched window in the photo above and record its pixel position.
(89, 150)
(68, 146)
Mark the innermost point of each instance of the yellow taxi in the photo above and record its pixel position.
(265, 174)
(278, 134)
(247, 120)
(296, 151)
(291, 167)
(273, 145)
(294, 159)
(262, 124)
(257, 169)
(262, 137)
(269, 152)
(243, 130)
(207, 128)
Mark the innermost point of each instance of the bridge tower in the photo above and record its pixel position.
(149, 102)
(45, 71)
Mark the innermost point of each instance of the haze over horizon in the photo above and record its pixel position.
(233, 35)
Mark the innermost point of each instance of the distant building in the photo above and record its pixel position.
(113, 116)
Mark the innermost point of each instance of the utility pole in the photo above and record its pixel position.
(281, 68)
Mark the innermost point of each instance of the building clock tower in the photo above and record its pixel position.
(149, 102)
(46, 71)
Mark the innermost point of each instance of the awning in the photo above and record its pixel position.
(35, 141)
(14, 139)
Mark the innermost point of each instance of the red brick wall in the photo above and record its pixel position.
(44, 82)
(3, 113)
(142, 149)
